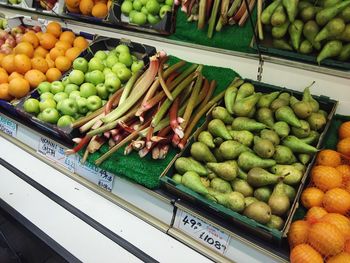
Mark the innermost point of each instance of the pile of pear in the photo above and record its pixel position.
(253, 153)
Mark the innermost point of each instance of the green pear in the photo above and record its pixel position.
(301, 167)
(244, 137)
(184, 164)
(218, 141)
(312, 138)
(271, 136)
(217, 197)
(221, 113)
(265, 115)
(291, 175)
(252, 113)
(193, 181)
(290, 192)
(263, 147)
(206, 138)
(205, 181)
(317, 121)
(275, 222)
(258, 177)
(218, 129)
(258, 211)
(242, 187)
(304, 158)
(220, 185)
(242, 174)
(211, 175)
(248, 160)
(303, 131)
(243, 107)
(231, 93)
(249, 200)
(287, 115)
(263, 193)
(218, 155)
(279, 201)
(245, 90)
(282, 100)
(284, 155)
(302, 109)
(202, 153)
(230, 150)
(243, 123)
(281, 128)
(235, 201)
(177, 178)
(226, 170)
(308, 98)
(298, 146)
(266, 99)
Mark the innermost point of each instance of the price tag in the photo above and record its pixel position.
(203, 232)
(7, 126)
(95, 174)
(55, 153)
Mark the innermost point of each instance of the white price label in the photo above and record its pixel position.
(55, 153)
(7, 126)
(95, 174)
(203, 232)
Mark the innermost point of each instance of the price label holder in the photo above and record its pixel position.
(95, 174)
(8, 126)
(201, 231)
(54, 152)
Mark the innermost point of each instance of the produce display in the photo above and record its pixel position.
(98, 9)
(29, 56)
(3, 23)
(216, 14)
(86, 88)
(253, 153)
(46, 4)
(309, 27)
(325, 231)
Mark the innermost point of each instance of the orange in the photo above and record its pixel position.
(72, 3)
(39, 34)
(63, 63)
(54, 28)
(50, 62)
(326, 177)
(32, 38)
(73, 53)
(40, 63)
(67, 36)
(4, 92)
(63, 44)
(8, 63)
(304, 253)
(15, 75)
(34, 77)
(2, 55)
(336, 200)
(328, 158)
(100, 10)
(314, 214)
(86, 6)
(311, 197)
(109, 4)
(53, 74)
(18, 87)
(344, 170)
(40, 52)
(3, 77)
(22, 63)
(342, 257)
(47, 40)
(73, 10)
(339, 221)
(343, 146)
(56, 52)
(298, 232)
(347, 246)
(344, 130)
(81, 42)
(25, 48)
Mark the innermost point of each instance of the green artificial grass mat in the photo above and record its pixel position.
(147, 171)
(234, 37)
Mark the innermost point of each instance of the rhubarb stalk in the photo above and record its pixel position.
(128, 86)
(209, 94)
(162, 82)
(87, 126)
(171, 77)
(212, 19)
(202, 13)
(260, 28)
(246, 13)
(87, 118)
(79, 146)
(223, 15)
(173, 68)
(173, 118)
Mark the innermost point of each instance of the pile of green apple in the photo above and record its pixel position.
(141, 12)
(87, 87)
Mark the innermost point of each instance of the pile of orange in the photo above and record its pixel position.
(41, 56)
(324, 234)
(96, 8)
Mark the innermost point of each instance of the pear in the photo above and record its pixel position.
(230, 150)
(242, 174)
(271, 136)
(266, 99)
(193, 181)
(211, 175)
(251, 113)
(226, 170)
(243, 123)
(235, 201)
(248, 160)
(302, 109)
(177, 178)
(243, 107)
(291, 175)
(263, 193)
(218, 141)
(243, 137)
(229, 127)
(258, 177)
(301, 167)
(242, 187)
(287, 115)
(258, 211)
(308, 98)
(217, 197)
(303, 131)
(206, 138)
(231, 93)
(220, 185)
(282, 100)
(312, 138)
(279, 201)
(317, 121)
(184, 164)
(205, 181)
(298, 146)
(218, 129)
(202, 153)
(283, 155)
(324, 113)
(263, 147)
(304, 158)
(249, 200)
(281, 128)
(275, 222)
(245, 90)
(218, 155)
(290, 192)
(221, 113)
(265, 115)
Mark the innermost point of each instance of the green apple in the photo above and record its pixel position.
(124, 74)
(117, 66)
(31, 106)
(131, 15)
(164, 10)
(137, 65)
(94, 102)
(153, 7)
(87, 90)
(40, 116)
(100, 55)
(122, 48)
(169, 2)
(76, 77)
(65, 120)
(112, 83)
(96, 64)
(56, 87)
(60, 96)
(102, 91)
(70, 87)
(77, 116)
(68, 107)
(80, 64)
(111, 60)
(46, 95)
(134, 58)
(96, 77)
(106, 71)
(144, 10)
(65, 81)
(44, 87)
(139, 19)
(50, 115)
(152, 19)
(126, 7)
(75, 94)
(82, 105)
(125, 58)
(113, 52)
(48, 103)
(144, 2)
(137, 5)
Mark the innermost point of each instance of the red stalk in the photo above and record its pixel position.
(111, 142)
(155, 153)
(163, 151)
(113, 101)
(171, 78)
(76, 140)
(173, 118)
(128, 149)
(107, 134)
(209, 6)
(79, 146)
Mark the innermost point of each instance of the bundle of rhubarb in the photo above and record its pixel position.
(153, 110)
(217, 13)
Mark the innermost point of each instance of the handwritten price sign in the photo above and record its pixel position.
(7, 126)
(203, 232)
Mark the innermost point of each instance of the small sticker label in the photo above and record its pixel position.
(7, 126)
